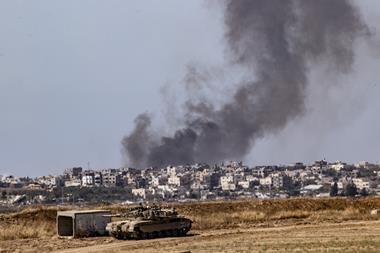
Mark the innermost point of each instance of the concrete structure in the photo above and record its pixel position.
(277, 181)
(338, 165)
(360, 183)
(109, 179)
(244, 184)
(229, 187)
(267, 181)
(139, 192)
(174, 180)
(88, 178)
(82, 223)
(98, 180)
(171, 171)
(74, 172)
(73, 183)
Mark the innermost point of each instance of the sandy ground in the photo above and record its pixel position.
(342, 237)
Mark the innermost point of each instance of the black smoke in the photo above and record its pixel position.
(277, 42)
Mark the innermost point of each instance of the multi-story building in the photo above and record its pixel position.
(277, 181)
(361, 183)
(111, 179)
(266, 181)
(227, 183)
(74, 172)
(174, 181)
(88, 178)
(139, 193)
(98, 179)
(74, 182)
(338, 165)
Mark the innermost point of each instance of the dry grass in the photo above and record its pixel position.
(39, 222)
(27, 230)
(36, 222)
(214, 215)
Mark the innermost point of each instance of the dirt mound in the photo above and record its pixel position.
(39, 222)
(271, 212)
(276, 205)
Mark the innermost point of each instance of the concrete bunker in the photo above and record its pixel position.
(82, 223)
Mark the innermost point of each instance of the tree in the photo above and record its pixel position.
(331, 173)
(334, 190)
(364, 192)
(350, 190)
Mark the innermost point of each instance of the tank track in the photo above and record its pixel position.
(140, 235)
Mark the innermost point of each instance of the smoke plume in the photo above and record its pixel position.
(277, 42)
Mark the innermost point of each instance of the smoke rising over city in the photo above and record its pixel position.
(277, 42)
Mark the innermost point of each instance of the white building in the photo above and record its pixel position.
(362, 164)
(360, 183)
(49, 181)
(171, 171)
(139, 192)
(228, 187)
(174, 181)
(266, 181)
(165, 188)
(226, 183)
(338, 165)
(73, 183)
(244, 184)
(88, 180)
(155, 181)
(226, 179)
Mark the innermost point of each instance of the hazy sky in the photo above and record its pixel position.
(74, 74)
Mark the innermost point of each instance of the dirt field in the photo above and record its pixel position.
(295, 225)
(347, 237)
(344, 237)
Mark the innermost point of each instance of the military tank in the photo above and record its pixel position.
(149, 222)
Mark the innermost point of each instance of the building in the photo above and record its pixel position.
(88, 179)
(174, 181)
(229, 187)
(338, 165)
(267, 181)
(244, 184)
(73, 183)
(49, 181)
(226, 183)
(110, 179)
(139, 193)
(171, 171)
(277, 181)
(360, 183)
(74, 172)
(98, 179)
(34, 186)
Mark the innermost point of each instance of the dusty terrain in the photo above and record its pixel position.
(346, 237)
(297, 225)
